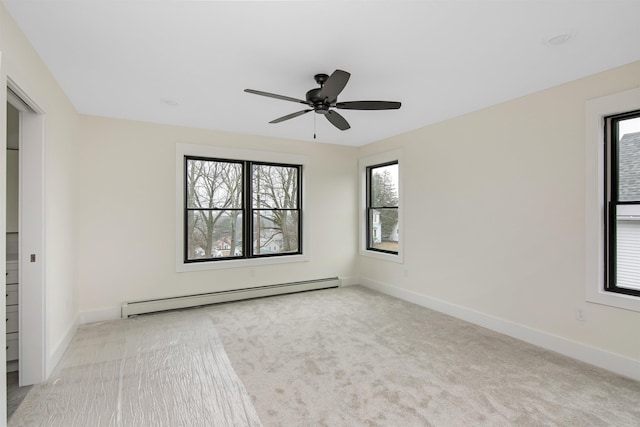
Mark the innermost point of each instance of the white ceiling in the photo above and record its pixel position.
(441, 59)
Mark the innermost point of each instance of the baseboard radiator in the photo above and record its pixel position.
(163, 304)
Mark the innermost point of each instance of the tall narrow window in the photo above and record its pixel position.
(214, 209)
(382, 208)
(622, 218)
(240, 209)
(276, 212)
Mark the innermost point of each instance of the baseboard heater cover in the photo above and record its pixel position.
(163, 304)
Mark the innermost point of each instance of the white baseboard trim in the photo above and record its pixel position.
(99, 315)
(349, 280)
(594, 356)
(59, 350)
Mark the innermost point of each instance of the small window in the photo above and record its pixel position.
(382, 208)
(237, 209)
(622, 197)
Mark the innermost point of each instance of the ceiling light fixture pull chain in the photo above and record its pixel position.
(314, 126)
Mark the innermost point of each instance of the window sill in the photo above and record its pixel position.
(382, 256)
(613, 299)
(182, 267)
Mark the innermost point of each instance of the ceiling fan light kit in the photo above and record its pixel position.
(323, 99)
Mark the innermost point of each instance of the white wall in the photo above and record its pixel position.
(126, 215)
(494, 215)
(24, 67)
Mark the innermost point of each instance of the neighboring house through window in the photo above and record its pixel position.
(612, 200)
(622, 196)
(382, 208)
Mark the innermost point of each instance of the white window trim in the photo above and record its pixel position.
(596, 110)
(363, 164)
(235, 154)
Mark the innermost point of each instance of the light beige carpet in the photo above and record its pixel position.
(354, 357)
(338, 357)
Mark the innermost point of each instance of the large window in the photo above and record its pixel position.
(622, 198)
(237, 209)
(603, 239)
(382, 201)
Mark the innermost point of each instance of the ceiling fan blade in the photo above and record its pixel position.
(368, 105)
(334, 85)
(276, 96)
(337, 120)
(290, 116)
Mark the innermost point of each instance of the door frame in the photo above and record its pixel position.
(33, 345)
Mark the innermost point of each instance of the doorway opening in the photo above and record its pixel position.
(26, 333)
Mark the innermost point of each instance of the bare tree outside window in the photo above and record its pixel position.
(227, 216)
(214, 207)
(275, 203)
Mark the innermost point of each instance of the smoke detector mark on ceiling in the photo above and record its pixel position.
(169, 102)
(559, 39)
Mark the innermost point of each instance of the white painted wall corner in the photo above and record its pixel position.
(100, 315)
(56, 355)
(349, 280)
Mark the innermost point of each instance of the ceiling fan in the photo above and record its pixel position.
(321, 100)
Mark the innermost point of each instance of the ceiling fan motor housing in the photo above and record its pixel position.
(320, 106)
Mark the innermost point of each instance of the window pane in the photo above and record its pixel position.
(275, 187)
(628, 247)
(275, 231)
(623, 200)
(629, 160)
(213, 184)
(384, 186)
(383, 232)
(214, 234)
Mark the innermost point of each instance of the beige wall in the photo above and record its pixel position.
(24, 67)
(495, 213)
(126, 215)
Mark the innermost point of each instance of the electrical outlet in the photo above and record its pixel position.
(580, 315)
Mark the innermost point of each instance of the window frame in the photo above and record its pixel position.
(214, 153)
(389, 157)
(370, 208)
(612, 201)
(596, 111)
(186, 208)
(252, 209)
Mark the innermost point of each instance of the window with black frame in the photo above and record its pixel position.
(622, 196)
(241, 209)
(382, 208)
